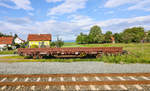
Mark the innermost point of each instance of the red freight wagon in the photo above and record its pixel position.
(70, 51)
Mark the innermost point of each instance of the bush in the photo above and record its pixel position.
(17, 45)
(52, 44)
(27, 57)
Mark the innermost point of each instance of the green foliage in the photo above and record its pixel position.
(135, 34)
(95, 35)
(17, 45)
(4, 35)
(147, 36)
(52, 44)
(125, 59)
(108, 36)
(34, 46)
(129, 35)
(7, 52)
(59, 43)
(82, 39)
(118, 37)
(24, 45)
(15, 36)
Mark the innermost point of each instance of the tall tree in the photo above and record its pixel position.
(135, 34)
(108, 36)
(95, 35)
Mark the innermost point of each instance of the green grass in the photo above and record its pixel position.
(12, 57)
(48, 60)
(139, 53)
(7, 52)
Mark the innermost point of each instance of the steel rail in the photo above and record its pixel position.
(75, 83)
(74, 75)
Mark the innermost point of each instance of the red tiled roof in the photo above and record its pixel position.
(6, 40)
(39, 37)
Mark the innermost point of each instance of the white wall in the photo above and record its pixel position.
(17, 40)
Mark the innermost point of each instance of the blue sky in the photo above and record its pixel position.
(67, 18)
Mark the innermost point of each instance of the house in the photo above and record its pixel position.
(6, 42)
(19, 40)
(39, 40)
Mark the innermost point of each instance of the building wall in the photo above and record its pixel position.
(17, 40)
(39, 43)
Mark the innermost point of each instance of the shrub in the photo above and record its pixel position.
(52, 44)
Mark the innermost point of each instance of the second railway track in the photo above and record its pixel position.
(52, 82)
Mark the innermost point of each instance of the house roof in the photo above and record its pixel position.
(39, 37)
(6, 40)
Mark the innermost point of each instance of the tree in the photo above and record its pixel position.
(15, 36)
(147, 36)
(118, 37)
(82, 39)
(108, 36)
(4, 35)
(135, 34)
(59, 43)
(95, 35)
(1, 34)
(52, 44)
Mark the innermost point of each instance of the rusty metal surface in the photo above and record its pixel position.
(70, 50)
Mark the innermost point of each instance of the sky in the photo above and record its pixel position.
(68, 18)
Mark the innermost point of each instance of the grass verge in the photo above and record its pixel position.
(7, 52)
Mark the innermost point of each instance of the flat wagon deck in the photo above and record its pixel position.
(70, 52)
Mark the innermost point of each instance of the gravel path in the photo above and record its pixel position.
(74, 67)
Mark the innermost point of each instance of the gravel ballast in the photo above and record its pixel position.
(73, 67)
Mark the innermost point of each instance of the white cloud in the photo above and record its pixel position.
(143, 5)
(68, 6)
(24, 20)
(19, 4)
(69, 30)
(116, 3)
(81, 20)
(133, 4)
(49, 1)
(117, 25)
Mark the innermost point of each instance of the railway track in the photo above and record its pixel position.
(53, 82)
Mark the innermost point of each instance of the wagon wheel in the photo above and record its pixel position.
(98, 55)
(82, 54)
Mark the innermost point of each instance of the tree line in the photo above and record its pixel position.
(4, 35)
(129, 35)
